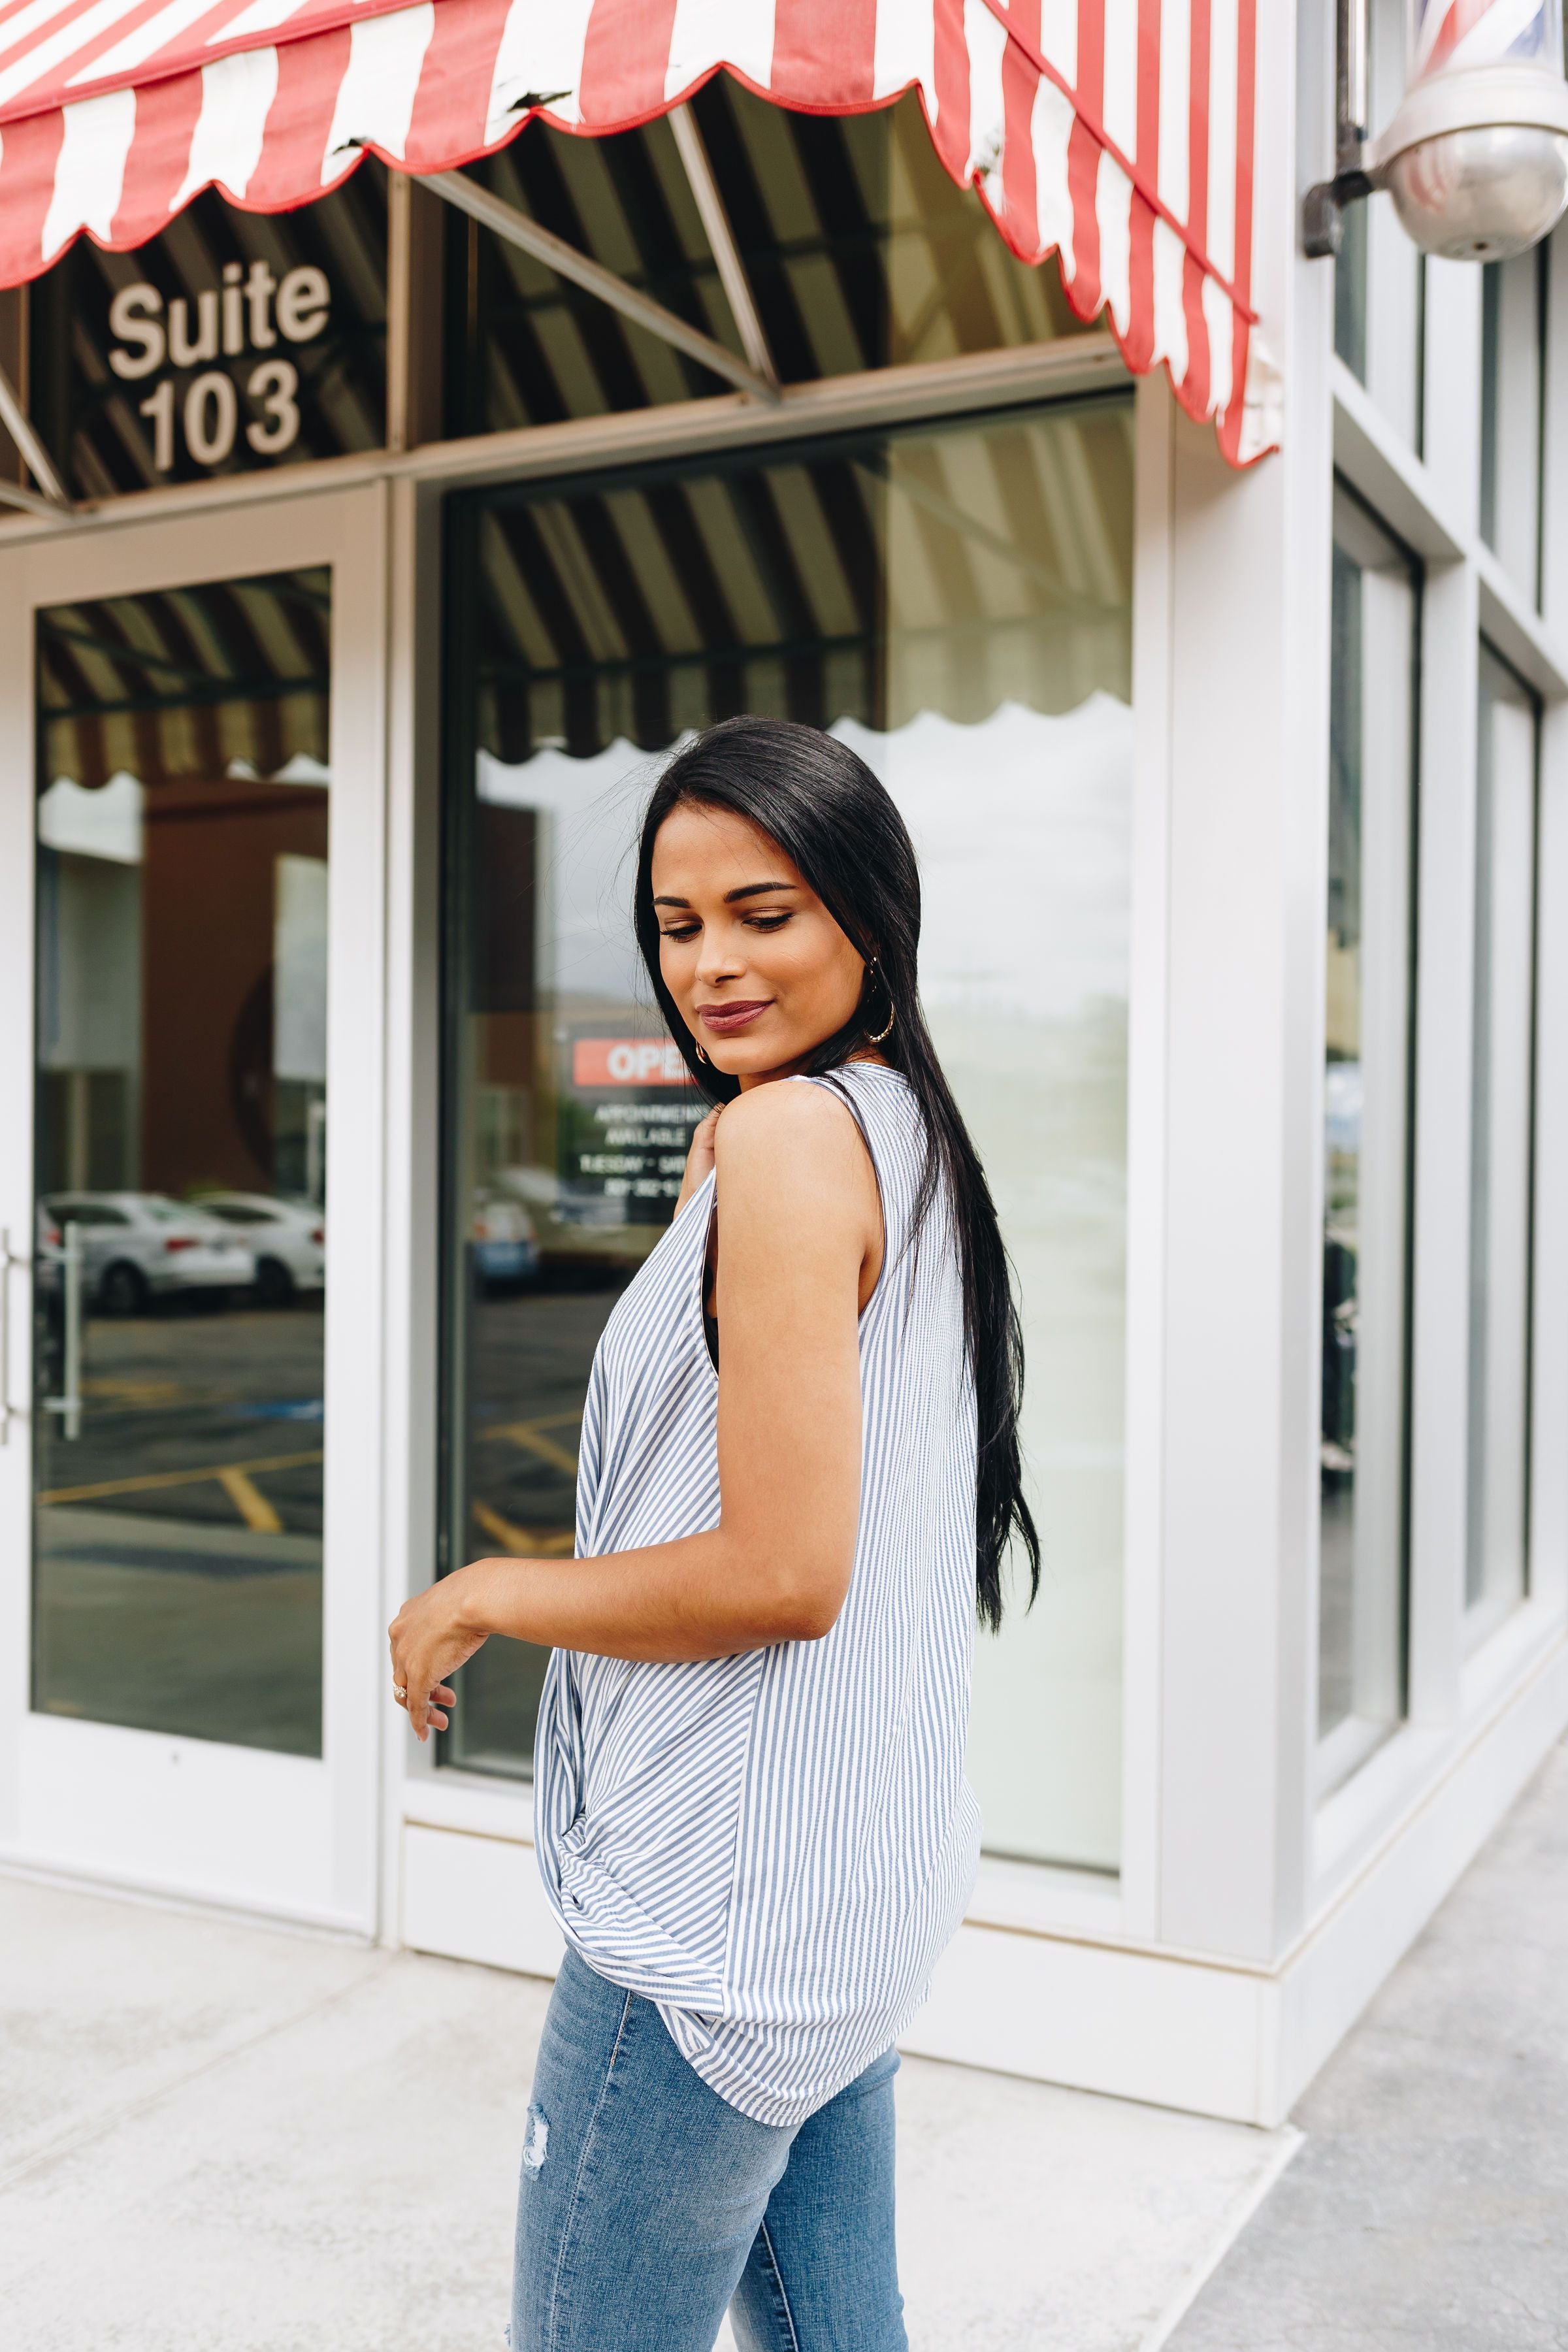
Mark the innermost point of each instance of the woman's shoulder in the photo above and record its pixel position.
(785, 1114)
(790, 1138)
(862, 1104)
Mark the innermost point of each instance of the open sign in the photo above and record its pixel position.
(627, 1062)
(623, 1130)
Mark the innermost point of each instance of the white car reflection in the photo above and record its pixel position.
(287, 1238)
(139, 1245)
(504, 1245)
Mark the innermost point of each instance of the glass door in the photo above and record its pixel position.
(179, 1128)
(183, 815)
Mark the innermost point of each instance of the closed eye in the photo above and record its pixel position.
(774, 921)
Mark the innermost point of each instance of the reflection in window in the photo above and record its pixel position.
(1513, 370)
(1501, 1132)
(860, 251)
(956, 603)
(1350, 289)
(182, 822)
(1366, 1125)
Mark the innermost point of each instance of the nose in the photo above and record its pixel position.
(720, 956)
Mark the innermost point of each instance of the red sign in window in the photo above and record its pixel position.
(627, 1062)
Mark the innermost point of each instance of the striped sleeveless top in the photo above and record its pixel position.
(775, 1848)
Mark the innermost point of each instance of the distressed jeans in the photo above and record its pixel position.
(648, 2204)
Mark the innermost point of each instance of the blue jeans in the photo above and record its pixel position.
(648, 2204)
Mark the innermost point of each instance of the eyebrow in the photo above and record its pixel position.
(746, 890)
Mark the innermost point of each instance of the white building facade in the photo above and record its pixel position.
(386, 560)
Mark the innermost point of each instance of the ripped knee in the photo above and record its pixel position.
(536, 2140)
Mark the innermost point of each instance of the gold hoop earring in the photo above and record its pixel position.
(700, 1055)
(876, 1037)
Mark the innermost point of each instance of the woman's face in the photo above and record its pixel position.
(760, 970)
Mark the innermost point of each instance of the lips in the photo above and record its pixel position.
(723, 1020)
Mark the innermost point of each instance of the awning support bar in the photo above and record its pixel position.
(721, 238)
(567, 262)
(12, 494)
(18, 424)
(1323, 207)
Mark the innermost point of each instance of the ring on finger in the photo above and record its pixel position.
(399, 1690)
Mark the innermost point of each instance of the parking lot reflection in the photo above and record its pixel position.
(179, 1538)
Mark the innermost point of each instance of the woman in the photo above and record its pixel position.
(799, 1473)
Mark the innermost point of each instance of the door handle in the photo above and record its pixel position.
(67, 1404)
(8, 1411)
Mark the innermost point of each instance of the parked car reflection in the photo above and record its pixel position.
(287, 1236)
(137, 1246)
(573, 1222)
(505, 1249)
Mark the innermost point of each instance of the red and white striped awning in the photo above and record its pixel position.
(1116, 133)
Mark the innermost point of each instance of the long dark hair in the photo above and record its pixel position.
(837, 824)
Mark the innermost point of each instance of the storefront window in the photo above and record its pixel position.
(181, 892)
(1366, 1132)
(1380, 278)
(1513, 371)
(860, 249)
(955, 601)
(235, 342)
(1503, 1105)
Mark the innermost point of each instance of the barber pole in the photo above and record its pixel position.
(1449, 35)
(1476, 158)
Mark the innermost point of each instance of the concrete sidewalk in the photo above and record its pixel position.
(1427, 2211)
(218, 2139)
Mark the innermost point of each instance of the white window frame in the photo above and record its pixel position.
(286, 1835)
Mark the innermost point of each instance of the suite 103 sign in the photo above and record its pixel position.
(249, 316)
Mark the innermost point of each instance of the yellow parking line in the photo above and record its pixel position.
(152, 1479)
(252, 1505)
(524, 1543)
(530, 1435)
(147, 1392)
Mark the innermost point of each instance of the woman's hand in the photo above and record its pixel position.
(430, 1639)
(699, 1159)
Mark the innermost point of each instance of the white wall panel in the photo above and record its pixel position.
(477, 1899)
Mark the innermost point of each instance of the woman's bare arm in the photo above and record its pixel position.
(801, 1222)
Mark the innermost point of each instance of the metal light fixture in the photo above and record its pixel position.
(1476, 158)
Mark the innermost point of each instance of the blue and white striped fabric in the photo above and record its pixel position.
(775, 1848)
